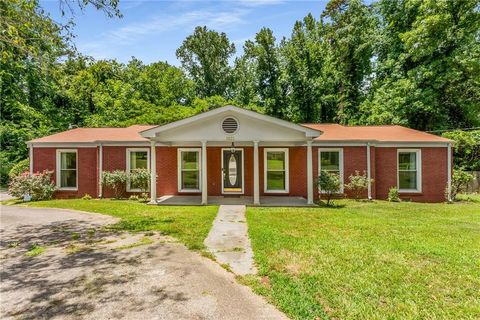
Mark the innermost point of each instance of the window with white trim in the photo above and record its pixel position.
(276, 170)
(67, 169)
(331, 160)
(189, 170)
(137, 159)
(409, 170)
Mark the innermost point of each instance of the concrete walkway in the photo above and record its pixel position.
(228, 240)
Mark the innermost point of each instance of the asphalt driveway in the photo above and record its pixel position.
(65, 264)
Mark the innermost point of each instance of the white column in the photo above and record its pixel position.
(153, 173)
(449, 173)
(100, 170)
(204, 173)
(369, 180)
(309, 173)
(30, 157)
(256, 178)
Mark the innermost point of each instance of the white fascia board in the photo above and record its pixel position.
(311, 133)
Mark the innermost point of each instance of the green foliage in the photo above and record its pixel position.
(204, 55)
(140, 178)
(116, 181)
(358, 184)
(460, 180)
(466, 149)
(86, 196)
(133, 197)
(20, 167)
(35, 250)
(393, 195)
(329, 184)
(38, 185)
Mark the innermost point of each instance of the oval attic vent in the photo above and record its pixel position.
(230, 125)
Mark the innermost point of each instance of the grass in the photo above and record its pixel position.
(471, 197)
(188, 224)
(364, 260)
(35, 250)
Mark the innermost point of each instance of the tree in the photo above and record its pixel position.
(427, 65)
(265, 55)
(350, 27)
(329, 183)
(466, 149)
(204, 56)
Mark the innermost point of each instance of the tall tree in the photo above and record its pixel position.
(428, 67)
(265, 54)
(350, 28)
(205, 57)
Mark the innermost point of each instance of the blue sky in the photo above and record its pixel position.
(152, 30)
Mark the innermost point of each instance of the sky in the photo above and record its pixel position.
(152, 30)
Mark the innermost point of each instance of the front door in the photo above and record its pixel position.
(232, 170)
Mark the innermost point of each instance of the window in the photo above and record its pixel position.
(276, 170)
(137, 159)
(331, 160)
(189, 170)
(67, 169)
(409, 170)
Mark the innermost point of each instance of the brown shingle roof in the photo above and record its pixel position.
(390, 133)
(89, 135)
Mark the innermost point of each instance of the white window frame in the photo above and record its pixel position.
(287, 169)
(179, 169)
(58, 169)
(419, 170)
(340, 165)
(128, 152)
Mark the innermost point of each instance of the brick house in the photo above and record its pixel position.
(230, 152)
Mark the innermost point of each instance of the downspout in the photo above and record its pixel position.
(449, 173)
(369, 173)
(100, 170)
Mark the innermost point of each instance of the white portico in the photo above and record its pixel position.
(236, 149)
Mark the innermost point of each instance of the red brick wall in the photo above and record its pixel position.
(434, 174)
(45, 159)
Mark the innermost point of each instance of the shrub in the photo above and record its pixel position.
(144, 197)
(358, 184)
(115, 180)
(86, 196)
(393, 195)
(139, 178)
(133, 197)
(39, 185)
(460, 179)
(20, 167)
(329, 183)
(466, 149)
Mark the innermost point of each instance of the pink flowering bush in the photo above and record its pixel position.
(38, 185)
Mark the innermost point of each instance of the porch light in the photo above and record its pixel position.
(232, 148)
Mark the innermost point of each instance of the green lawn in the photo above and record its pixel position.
(188, 224)
(375, 260)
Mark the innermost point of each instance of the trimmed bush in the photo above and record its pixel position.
(39, 185)
(139, 178)
(460, 180)
(393, 195)
(116, 181)
(86, 196)
(358, 184)
(329, 183)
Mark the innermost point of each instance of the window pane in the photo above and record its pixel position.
(276, 160)
(138, 160)
(68, 160)
(68, 178)
(276, 180)
(330, 160)
(190, 160)
(190, 180)
(407, 180)
(407, 161)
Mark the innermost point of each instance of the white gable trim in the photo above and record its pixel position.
(310, 133)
